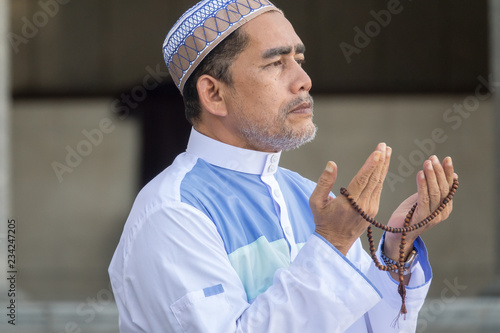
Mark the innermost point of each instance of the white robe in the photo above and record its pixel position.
(223, 241)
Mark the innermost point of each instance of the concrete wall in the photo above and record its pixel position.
(68, 230)
(71, 194)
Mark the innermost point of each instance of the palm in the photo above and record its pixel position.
(398, 217)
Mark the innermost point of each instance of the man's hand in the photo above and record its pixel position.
(433, 185)
(335, 218)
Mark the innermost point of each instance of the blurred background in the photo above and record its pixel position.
(88, 115)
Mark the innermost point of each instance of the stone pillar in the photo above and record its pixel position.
(4, 141)
(494, 8)
(494, 17)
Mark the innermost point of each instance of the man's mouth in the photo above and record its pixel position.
(302, 108)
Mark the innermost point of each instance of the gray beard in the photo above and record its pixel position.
(264, 136)
(283, 140)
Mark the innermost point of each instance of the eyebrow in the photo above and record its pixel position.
(277, 51)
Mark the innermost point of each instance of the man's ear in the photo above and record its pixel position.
(211, 97)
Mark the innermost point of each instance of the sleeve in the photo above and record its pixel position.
(176, 277)
(384, 317)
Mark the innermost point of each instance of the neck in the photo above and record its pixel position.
(222, 133)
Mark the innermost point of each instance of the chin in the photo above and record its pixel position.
(299, 138)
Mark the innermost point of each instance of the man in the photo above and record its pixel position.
(226, 241)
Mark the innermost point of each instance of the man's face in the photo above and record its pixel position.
(269, 106)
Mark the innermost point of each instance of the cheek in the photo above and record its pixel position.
(261, 81)
(261, 94)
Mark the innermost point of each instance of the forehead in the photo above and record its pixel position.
(270, 30)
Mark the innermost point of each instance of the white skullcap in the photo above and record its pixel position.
(202, 28)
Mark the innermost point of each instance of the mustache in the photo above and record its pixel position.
(298, 101)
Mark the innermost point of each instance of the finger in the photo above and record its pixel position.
(387, 161)
(379, 181)
(432, 186)
(423, 192)
(449, 170)
(375, 181)
(364, 175)
(442, 180)
(321, 194)
(450, 176)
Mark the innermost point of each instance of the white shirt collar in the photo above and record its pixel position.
(230, 157)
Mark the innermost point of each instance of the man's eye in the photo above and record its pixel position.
(277, 63)
(301, 62)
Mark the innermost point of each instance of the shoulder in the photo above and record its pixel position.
(166, 185)
(159, 211)
(160, 199)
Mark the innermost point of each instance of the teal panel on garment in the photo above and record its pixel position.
(257, 262)
(300, 246)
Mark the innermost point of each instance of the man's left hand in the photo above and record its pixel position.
(433, 185)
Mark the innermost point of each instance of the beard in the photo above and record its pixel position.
(275, 134)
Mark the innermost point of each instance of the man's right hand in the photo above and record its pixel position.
(335, 218)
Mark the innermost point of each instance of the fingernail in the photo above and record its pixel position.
(329, 167)
(428, 165)
(377, 156)
(449, 161)
(389, 152)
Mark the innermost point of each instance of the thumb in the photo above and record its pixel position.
(321, 194)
